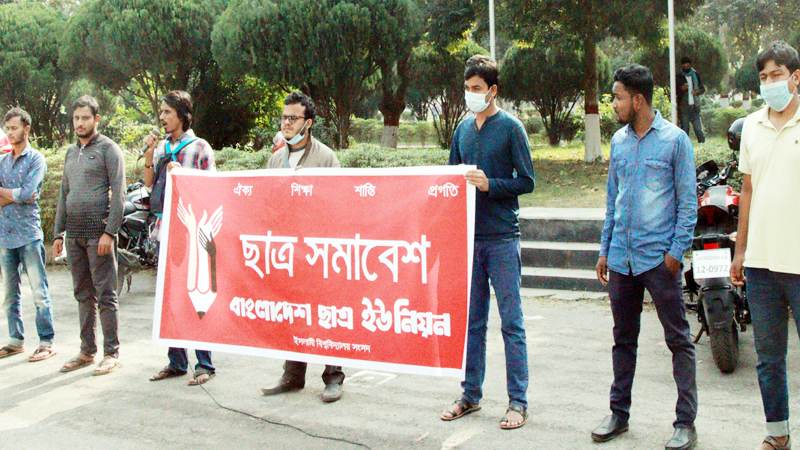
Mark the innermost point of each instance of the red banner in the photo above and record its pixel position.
(365, 268)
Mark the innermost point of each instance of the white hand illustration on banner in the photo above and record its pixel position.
(201, 280)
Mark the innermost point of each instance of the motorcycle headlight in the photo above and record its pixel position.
(732, 237)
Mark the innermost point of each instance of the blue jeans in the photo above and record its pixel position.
(626, 293)
(500, 262)
(691, 115)
(31, 256)
(179, 359)
(770, 295)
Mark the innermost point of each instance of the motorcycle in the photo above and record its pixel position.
(721, 307)
(136, 231)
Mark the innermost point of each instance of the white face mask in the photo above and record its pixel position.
(776, 95)
(298, 137)
(476, 102)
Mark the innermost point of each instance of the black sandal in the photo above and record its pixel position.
(523, 411)
(465, 407)
(167, 372)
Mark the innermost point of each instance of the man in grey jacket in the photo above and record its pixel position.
(302, 150)
(90, 212)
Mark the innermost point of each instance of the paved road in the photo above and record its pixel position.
(570, 364)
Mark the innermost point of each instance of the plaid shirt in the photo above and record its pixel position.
(195, 155)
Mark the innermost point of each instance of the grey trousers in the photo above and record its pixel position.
(295, 371)
(94, 280)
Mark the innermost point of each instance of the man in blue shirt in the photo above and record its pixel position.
(21, 173)
(497, 144)
(650, 218)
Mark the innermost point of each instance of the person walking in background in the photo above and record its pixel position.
(651, 212)
(690, 88)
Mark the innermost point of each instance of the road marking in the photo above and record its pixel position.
(368, 378)
(534, 317)
(460, 437)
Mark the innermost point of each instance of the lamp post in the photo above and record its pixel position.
(491, 29)
(672, 68)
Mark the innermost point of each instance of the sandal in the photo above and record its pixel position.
(460, 408)
(167, 372)
(76, 363)
(41, 354)
(9, 351)
(519, 409)
(775, 445)
(107, 365)
(201, 378)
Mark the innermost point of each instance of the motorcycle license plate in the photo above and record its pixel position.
(711, 263)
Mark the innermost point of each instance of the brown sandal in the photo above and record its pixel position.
(41, 354)
(167, 372)
(200, 378)
(460, 408)
(519, 409)
(76, 363)
(9, 351)
(775, 445)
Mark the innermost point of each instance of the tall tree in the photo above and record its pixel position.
(31, 74)
(145, 49)
(591, 21)
(438, 86)
(327, 48)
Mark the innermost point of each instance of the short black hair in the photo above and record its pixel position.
(686, 59)
(23, 115)
(87, 100)
(298, 97)
(637, 79)
(483, 66)
(181, 102)
(782, 53)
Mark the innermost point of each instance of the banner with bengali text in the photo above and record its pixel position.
(363, 268)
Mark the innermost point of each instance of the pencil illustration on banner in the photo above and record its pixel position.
(201, 279)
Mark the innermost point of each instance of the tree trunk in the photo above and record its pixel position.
(593, 151)
(391, 126)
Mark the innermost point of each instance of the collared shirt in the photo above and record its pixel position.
(772, 159)
(651, 208)
(92, 190)
(21, 223)
(501, 149)
(196, 155)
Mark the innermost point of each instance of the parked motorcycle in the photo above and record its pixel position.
(721, 307)
(136, 231)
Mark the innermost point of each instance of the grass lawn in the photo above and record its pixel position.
(563, 180)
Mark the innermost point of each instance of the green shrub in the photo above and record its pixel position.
(373, 156)
(736, 104)
(533, 125)
(229, 159)
(365, 130)
(716, 121)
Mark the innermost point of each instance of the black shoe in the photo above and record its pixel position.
(281, 386)
(682, 439)
(332, 393)
(609, 429)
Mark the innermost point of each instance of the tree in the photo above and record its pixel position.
(397, 30)
(705, 50)
(31, 74)
(746, 78)
(438, 88)
(327, 48)
(591, 21)
(145, 49)
(554, 87)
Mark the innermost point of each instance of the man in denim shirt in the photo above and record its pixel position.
(21, 173)
(650, 218)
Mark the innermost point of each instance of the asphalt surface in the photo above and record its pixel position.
(569, 346)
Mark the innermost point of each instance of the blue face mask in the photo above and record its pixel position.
(776, 95)
(298, 137)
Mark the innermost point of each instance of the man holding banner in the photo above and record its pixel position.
(302, 150)
(181, 148)
(497, 144)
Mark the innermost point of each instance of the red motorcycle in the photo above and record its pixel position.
(721, 307)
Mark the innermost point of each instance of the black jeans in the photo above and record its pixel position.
(627, 295)
(295, 371)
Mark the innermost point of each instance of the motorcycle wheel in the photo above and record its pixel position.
(725, 347)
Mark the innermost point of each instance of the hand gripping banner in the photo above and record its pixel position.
(364, 268)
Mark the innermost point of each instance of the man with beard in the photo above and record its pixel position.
(90, 212)
(21, 174)
(650, 216)
(302, 150)
(181, 148)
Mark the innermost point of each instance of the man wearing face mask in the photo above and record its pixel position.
(767, 256)
(302, 150)
(497, 144)
(690, 88)
(651, 211)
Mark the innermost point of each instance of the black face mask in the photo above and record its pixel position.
(686, 71)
